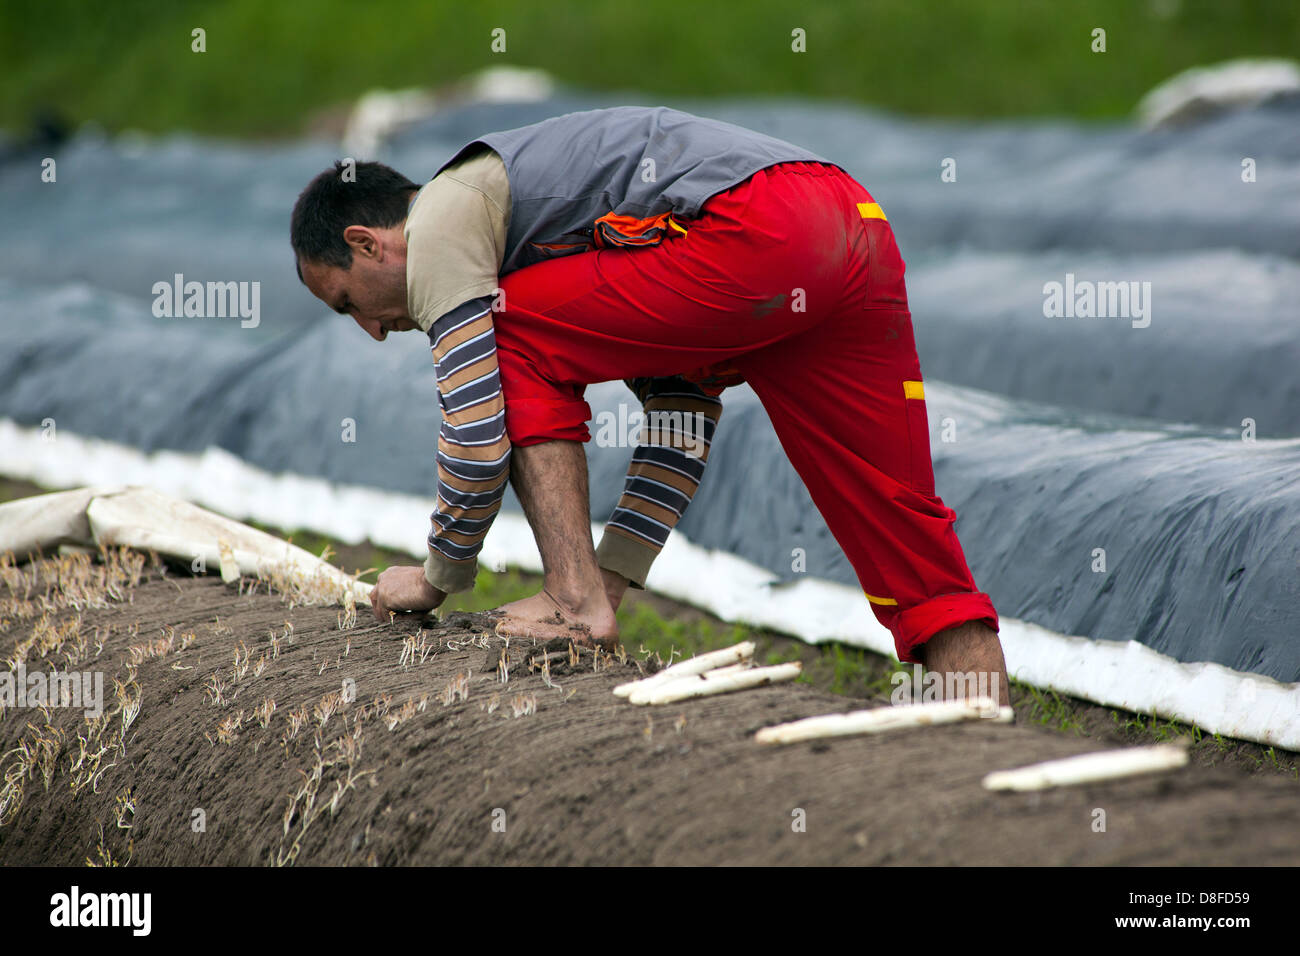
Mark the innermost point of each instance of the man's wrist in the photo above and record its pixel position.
(615, 587)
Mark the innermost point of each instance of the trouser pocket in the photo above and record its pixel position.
(920, 467)
(886, 288)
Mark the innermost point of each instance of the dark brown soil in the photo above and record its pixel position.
(586, 778)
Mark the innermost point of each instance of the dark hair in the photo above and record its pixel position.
(376, 196)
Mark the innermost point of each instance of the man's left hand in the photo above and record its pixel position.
(403, 589)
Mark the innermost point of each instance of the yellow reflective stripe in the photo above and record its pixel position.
(675, 226)
(872, 210)
(914, 390)
(879, 600)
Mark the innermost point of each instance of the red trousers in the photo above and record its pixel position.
(793, 280)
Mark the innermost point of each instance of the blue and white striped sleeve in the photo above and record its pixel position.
(473, 448)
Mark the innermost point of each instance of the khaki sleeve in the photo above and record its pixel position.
(448, 576)
(626, 556)
(455, 237)
(663, 476)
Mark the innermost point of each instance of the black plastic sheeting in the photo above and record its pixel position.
(1222, 344)
(1198, 526)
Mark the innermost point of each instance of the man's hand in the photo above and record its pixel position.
(403, 589)
(615, 587)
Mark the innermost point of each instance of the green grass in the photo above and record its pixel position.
(268, 66)
(642, 629)
(1046, 708)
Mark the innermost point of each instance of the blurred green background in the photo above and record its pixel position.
(270, 66)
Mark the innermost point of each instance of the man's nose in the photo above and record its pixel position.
(372, 328)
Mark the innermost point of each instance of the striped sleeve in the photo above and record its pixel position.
(666, 468)
(473, 449)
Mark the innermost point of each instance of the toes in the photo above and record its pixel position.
(585, 639)
(513, 627)
(580, 634)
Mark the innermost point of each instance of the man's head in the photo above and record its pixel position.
(347, 236)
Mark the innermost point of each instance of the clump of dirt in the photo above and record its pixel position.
(238, 731)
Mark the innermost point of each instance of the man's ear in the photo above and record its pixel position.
(363, 241)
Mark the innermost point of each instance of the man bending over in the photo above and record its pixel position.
(681, 255)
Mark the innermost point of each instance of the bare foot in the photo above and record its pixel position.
(543, 618)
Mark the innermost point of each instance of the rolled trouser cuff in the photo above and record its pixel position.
(913, 627)
(531, 421)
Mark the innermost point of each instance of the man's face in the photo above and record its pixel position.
(373, 289)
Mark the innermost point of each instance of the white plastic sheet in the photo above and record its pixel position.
(145, 519)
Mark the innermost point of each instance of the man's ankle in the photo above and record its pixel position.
(972, 650)
(578, 599)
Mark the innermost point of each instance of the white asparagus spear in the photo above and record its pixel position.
(882, 719)
(640, 695)
(694, 665)
(229, 566)
(706, 685)
(1088, 768)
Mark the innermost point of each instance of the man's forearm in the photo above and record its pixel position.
(473, 449)
(664, 474)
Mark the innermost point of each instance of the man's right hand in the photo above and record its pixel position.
(403, 589)
(615, 587)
